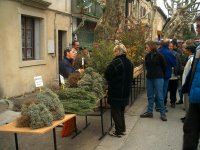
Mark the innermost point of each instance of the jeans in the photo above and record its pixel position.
(155, 90)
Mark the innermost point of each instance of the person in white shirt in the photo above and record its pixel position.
(189, 50)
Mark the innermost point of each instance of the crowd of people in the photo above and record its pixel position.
(171, 67)
(174, 67)
(166, 75)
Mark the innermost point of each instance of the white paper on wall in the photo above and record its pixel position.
(38, 81)
(51, 47)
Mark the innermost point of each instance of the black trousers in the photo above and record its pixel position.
(172, 89)
(191, 128)
(117, 113)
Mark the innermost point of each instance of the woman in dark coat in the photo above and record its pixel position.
(119, 75)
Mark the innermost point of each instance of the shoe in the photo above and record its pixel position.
(173, 105)
(146, 115)
(113, 133)
(179, 102)
(122, 133)
(183, 119)
(163, 117)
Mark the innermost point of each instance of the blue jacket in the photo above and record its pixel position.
(194, 95)
(170, 60)
(66, 68)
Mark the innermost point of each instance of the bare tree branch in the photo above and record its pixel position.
(182, 14)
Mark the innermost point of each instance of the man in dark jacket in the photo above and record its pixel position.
(66, 68)
(119, 74)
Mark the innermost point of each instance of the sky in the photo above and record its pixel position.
(160, 3)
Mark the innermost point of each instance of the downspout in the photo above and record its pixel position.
(126, 8)
(138, 9)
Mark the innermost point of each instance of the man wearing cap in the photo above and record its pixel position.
(119, 74)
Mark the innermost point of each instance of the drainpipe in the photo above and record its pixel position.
(126, 8)
(138, 10)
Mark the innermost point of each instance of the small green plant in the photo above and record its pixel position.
(52, 102)
(77, 100)
(41, 112)
(92, 82)
(35, 115)
(101, 56)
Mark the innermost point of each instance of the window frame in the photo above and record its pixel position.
(43, 45)
(25, 29)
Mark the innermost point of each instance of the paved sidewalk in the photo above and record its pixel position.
(148, 133)
(6, 113)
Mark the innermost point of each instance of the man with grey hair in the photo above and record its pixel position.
(119, 75)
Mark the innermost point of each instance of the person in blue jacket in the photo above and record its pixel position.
(66, 67)
(191, 126)
(171, 62)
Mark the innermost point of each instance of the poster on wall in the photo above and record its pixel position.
(51, 47)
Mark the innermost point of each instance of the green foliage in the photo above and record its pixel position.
(41, 112)
(189, 33)
(77, 100)
(134, 39)
(39, 115)
(101, 56)
(52, 102)
(92, 82)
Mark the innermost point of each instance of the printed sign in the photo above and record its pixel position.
(38, 81)
(62, 80)
(82, 61)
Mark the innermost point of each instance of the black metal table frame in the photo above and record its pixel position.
(103, 133)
